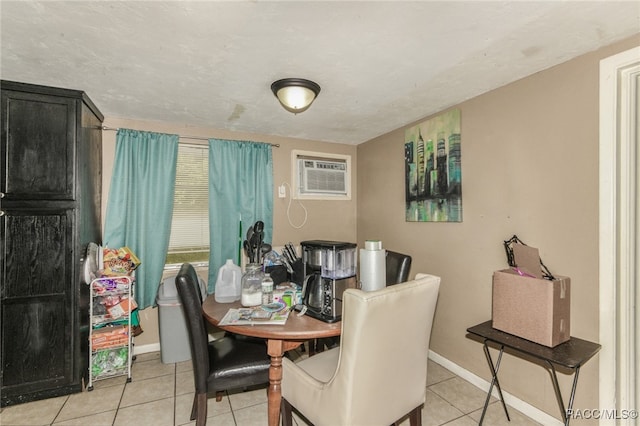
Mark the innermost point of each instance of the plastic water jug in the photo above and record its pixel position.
(228, 283)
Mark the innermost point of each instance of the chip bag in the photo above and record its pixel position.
(120, 261)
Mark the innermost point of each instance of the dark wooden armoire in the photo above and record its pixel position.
(50, 211)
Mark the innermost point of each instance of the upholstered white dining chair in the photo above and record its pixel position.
(378, 374)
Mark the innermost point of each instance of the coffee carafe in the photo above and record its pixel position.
(329, 269)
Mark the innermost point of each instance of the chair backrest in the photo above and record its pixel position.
(398, 267)
(384, 350)
(191, 300)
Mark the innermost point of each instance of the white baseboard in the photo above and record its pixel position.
(518, 404)
(155, 347)
(143, 349)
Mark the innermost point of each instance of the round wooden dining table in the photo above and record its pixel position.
(280, 338)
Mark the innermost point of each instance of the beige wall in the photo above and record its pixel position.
(529, 167)
(330, 220)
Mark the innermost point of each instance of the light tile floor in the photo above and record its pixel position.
(162, 394)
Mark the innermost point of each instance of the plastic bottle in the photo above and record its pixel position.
(228, 283)
(252, 286)
(267, 289)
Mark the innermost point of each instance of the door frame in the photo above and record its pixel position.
(618, 232)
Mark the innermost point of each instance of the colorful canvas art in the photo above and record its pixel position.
(433, 170)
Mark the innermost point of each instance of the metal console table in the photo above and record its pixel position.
(570, 355)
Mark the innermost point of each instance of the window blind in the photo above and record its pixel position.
(190, 223)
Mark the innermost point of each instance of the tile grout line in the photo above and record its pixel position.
(175, 393)
(60, 410)
(124, 388)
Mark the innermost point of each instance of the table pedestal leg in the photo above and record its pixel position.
(494, 381)
(276, 349)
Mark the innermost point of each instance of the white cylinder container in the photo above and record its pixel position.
(373, 269)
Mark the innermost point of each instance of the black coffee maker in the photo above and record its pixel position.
(329, 269)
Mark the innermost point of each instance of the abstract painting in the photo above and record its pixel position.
(433, 170)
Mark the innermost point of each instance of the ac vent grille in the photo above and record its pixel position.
(323, 177)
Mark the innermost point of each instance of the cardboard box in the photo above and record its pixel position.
(532, 308)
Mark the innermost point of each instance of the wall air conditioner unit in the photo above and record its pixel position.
(322, 176)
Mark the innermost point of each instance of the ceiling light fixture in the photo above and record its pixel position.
(295, 94)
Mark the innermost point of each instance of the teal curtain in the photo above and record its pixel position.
(140, 204)
(240, 186)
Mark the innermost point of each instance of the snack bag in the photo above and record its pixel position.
(120, 261)
(123, 308)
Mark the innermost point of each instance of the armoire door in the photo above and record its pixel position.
(38, 303)
(38, 146)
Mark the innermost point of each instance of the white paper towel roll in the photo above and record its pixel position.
(373, 269)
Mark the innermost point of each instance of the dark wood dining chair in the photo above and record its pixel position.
(222, 364)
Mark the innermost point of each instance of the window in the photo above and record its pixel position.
(189, 240)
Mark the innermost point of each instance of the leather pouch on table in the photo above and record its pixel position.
(298, 272)
(278, 273)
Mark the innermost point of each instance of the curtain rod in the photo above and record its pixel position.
(200, 138)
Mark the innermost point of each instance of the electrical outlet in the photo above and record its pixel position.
(282, 192)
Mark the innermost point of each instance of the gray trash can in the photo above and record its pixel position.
(174, 336)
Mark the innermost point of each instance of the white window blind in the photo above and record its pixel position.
(190, 223)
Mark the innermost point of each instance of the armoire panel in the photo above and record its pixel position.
(39, 156)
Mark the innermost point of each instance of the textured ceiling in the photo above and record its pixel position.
(381, 65)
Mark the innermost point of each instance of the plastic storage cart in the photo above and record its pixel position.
(110, 332)
(174, 337)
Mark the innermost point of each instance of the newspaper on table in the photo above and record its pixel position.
(259, 315)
